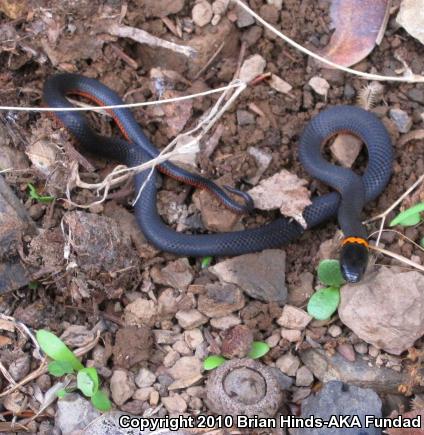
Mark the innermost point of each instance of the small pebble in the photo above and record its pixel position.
(288, 364)
(291, 335)
(244, 19)
(319, 85)
(252, 67)
(145, 378)
(335, 331)
(346, 351)
(276, 3)
(373, 351)
(202, 13)
(304, 377)
(401, 119)
(244, 117)
(416, 95)
(361, 348)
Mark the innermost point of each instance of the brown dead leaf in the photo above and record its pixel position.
(284, 191)
(42, 154)
(359, 24)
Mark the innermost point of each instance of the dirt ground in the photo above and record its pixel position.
(90, 265)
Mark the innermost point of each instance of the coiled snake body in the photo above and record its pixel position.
(352, 191)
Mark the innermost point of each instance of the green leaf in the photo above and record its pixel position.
(409, 217)
(206, 262)
(88, 381)
(258, 349)
(56, 349)
(101, 401)
(329, 273)
(324, 303)
(61, 393)
(36, 196)
(33, 285)
(60, 368)
(213, 361)
(422, 243)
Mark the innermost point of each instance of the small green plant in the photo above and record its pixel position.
(206, 262)
(409, 217)
(324, 303)
(65, 362)
(36, 196)
(257, 350)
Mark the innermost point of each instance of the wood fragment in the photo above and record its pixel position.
(127, 59)
(176, 30)
(142, 37)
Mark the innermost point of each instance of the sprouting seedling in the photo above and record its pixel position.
(36, 196)
(206, 262)
(323, 303)
(65, 362)
(409, 217)
(257, 350)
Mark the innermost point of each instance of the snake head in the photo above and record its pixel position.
(353, 259)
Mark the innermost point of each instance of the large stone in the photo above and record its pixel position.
(411, 18)
(74, 413)
(220, 300)
(260, 275)
(336, 368)
(15, 222)
(337, 398)
(386, 311)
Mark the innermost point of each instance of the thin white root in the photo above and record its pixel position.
(191, 145)
(399, 234)
(398, 257)
(409, 78)
(397, 202)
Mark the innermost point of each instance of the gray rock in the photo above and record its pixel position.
(401, 119)
(284, 381)
(20, 367)
(15, 222)
(244, 117)
(335, 368)
(108, 424)
(74, 413)
(260, 275)
(386, 310)
(244, 19)
(411, 18)
(416, 95)
(337, 398)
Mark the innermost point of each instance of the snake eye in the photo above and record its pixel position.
(353, 260)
